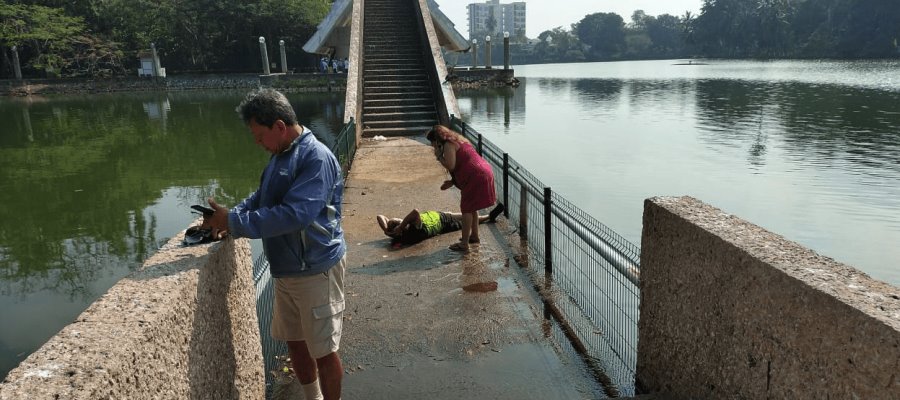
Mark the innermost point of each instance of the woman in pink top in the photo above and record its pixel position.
(470, 173)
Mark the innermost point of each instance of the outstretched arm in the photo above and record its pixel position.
(412, 217)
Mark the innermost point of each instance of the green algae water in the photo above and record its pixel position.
(91, 185)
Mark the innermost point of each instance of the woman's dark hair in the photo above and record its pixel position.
(266, 106)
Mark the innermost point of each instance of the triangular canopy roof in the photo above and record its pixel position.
(332, 36)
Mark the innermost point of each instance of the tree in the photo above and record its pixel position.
(41, 33)
(665, 35)
(603, 32)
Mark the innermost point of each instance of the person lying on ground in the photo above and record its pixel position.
(418, 226)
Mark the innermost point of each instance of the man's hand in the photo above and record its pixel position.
(218, 221)
(447, 185)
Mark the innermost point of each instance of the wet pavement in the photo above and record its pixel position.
(427, 322)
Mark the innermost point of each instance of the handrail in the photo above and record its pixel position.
(596, 270)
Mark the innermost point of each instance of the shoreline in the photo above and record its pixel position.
(311, 82)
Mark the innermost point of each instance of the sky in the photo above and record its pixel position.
(542, 15)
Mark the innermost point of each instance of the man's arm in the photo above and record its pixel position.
(309, 193)
(412, 217)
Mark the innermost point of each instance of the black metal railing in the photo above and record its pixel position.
(588, 275)
(265, 298)
(344, 147)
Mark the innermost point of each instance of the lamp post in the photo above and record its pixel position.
(265, 55)
(474, 53)
(17, 70)
(505, 50)
(487, 52)
(156, 71)
(283, 57)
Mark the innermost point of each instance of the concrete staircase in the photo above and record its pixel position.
(397, 99)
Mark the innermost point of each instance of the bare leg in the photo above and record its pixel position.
(466, 229)
(303, 363)
(331, 372)
(473, 221)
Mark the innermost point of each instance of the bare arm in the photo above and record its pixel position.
(412, 217)
(449, 157)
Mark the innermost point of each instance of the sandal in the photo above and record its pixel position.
(459, 246)
(474, 241)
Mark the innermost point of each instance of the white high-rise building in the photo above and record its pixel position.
(493, 18)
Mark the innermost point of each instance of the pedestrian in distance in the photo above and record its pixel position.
(297, 213)
(420, 225)
(470, 173)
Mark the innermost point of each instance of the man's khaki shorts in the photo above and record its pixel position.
(311, 309)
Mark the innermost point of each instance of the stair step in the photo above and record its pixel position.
(401, 131)
(382, 83)
(398, 102)
(395, 89)
(399, 116)
(411, 108)
(398, 123)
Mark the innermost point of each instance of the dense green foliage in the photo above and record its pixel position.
(102, 37)
(730, 29)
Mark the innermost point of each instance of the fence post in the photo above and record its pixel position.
(474, 53)
(505, 50)
(523, 211)
(506, 185)
(480, 151)
(17, 69)
(487, 52)
(264, 54)
(548, 243)
(283, 57)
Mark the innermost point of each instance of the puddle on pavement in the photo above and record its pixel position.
(481, 287)
(503, 285)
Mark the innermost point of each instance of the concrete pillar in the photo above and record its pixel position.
(265, 55)
(505, 50)
(487, 52)
(156, 71)
(283, 57)
(15, 61)
(474, 53)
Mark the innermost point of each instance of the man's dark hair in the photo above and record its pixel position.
(266, 106)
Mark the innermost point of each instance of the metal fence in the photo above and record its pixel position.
(344, 149)
(588, 275)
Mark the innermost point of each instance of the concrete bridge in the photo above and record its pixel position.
(397, 81)
(727, 309)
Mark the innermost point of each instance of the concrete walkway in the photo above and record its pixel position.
(413, 328)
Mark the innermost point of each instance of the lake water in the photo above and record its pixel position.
(92, 185)
(809, 150)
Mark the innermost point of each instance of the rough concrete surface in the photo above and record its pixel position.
(730, 310)
(411, 329)
(184, 326)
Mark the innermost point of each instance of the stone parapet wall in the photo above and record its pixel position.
(184, 326)
(732, 311)
(299, 82)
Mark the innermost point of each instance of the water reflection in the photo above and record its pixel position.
(817, 123)
(807, 150)
(90, 186)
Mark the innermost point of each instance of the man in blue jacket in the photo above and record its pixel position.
(297, 213)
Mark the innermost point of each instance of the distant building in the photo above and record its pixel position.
(493, 18)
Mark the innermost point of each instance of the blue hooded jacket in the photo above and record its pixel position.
(297, 210)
